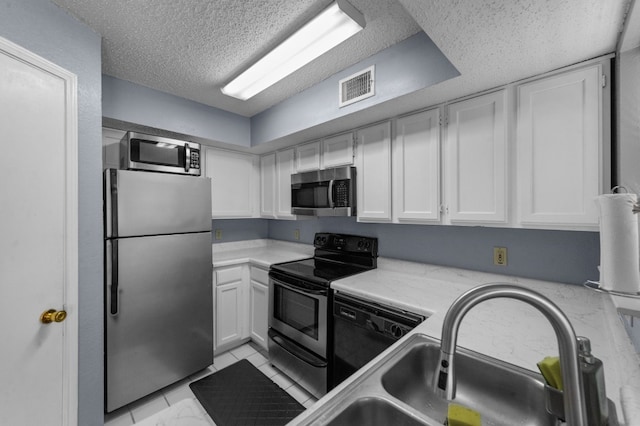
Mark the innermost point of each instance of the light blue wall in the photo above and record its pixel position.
(129, 102)
(403, 68)
(562, 256)
(239, 229)
(46, 30)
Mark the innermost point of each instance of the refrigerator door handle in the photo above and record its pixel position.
(112, 206)
(112, 277)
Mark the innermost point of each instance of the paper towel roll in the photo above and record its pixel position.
(619, 247)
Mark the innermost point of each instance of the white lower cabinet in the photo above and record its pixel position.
(259, 305)
(230, 316)
(241, 306)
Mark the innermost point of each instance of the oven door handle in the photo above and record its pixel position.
(292, 350)
(303, 290)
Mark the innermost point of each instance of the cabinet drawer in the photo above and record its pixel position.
(260, 275)
(228, 275)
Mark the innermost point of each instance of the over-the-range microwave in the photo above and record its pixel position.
(159, 154)
(329, 192)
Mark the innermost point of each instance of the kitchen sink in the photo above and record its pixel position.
(398, 390)
(502, 393)
(373, 410)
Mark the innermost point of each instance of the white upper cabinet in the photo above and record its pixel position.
(285, 167)
(559, 142)
(111, 148)
(308, 157)
(476, 160)
(268, 185)
(275, 173)
(416, 168)
(337, 151)
(235, 182)
(374, 173)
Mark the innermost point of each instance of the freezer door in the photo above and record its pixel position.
(162, 328)
(146, 203)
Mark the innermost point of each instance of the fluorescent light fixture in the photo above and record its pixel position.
(334, 25)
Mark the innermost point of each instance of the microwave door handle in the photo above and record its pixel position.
(187, 158)
(331, 204)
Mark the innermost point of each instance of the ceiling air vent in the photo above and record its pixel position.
(357, 87)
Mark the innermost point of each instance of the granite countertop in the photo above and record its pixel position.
(506, 329)
(263, 253)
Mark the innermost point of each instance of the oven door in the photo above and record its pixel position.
(298, 310)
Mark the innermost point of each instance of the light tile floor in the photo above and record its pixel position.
(162, 399)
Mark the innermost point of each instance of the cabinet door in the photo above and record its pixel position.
(259, 308)
(337, 151)
(559, 141)
(228, 314)
(308, 157)
(111, 148)
(476, 155)
(416, 168)
(234, 183)
(268, 185)
(374, 173)
(285, 166)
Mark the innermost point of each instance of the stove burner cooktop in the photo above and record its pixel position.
(336, 256)
(318, 270)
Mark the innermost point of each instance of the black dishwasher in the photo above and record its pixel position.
(363, 329)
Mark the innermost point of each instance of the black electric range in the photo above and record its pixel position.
(300, 304)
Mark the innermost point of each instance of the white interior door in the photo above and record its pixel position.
(38, 239)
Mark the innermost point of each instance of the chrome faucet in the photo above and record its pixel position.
(445, 377)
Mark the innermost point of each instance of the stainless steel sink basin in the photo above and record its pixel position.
(398, 390)
(373, 410)
(502, 393)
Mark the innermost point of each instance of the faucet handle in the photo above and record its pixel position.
(584, 350)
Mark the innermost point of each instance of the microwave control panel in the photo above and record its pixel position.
(195, 159)
(341, 196)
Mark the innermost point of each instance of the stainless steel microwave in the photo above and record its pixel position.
(159, 154)
(329, 192)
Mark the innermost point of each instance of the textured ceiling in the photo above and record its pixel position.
(190, 48)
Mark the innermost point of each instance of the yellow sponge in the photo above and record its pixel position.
(462, 416)
(551, 371)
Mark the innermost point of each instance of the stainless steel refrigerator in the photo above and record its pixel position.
(158, 288)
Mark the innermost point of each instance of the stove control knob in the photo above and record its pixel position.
(397, 331)
(360, 244)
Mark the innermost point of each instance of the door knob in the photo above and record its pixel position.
(52, 315)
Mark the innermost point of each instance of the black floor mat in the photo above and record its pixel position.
(240, 395)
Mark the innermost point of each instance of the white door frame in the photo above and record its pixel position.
(70, 332)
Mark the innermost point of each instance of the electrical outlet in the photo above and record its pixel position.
(218, 234)
(500, 256)
(296, 234)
